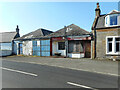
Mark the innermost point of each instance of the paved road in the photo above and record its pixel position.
(85, 64)
(26, 75)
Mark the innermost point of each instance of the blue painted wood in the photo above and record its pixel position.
(43, 49)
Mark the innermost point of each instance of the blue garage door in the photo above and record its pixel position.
(41, 48)
(45, 47)
(36, 48)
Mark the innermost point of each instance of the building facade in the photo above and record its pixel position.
(106, 35)
(34, 43)
(6, 42)
(71, 41)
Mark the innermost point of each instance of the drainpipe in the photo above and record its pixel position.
(95, 43)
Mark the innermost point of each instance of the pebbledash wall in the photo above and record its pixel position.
(27, 47)
(101, 42)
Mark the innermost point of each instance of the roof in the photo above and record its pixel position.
(71, 30)
(7, 36)
(114, 12)
(35, 34)
(99, 22)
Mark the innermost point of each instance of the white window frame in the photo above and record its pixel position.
(113, 46)
(107, 19)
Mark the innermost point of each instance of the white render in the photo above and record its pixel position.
(55, 49)
(15, 47)
(74, 55)
(5, 52)
(27, 47)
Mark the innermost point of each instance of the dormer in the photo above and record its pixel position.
(112, 19)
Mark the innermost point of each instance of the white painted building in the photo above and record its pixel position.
(6, 42)
(71, 41)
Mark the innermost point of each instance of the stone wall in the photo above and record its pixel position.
(101, 41)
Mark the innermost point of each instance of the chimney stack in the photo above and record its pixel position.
(97, 10)
(17, 30)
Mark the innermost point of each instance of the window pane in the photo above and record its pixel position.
(117, 39)
(113, 20)
(110, 39)
(106, 20)
(110, 47)
(81, 48)
(117, 47)
(61, 45)
(70, 46)
(77, 47)
(34, 43)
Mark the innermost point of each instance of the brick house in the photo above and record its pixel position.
(106, 35)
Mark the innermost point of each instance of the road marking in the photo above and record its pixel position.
(93, 71)
(19, 71)
(83, 86)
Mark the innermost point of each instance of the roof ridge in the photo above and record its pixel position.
(8, 32)
(81, 28)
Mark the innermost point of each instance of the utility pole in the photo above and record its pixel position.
(66, 41)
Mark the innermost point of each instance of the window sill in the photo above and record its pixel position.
(114, 54)
(76, 52)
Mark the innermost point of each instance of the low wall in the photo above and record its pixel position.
(5, 52)
(73, 55)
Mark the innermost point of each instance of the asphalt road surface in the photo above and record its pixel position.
(26, 75)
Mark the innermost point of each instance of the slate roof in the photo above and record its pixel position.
(71, 30)
(35, 34)
(99, 22)
(7, 36)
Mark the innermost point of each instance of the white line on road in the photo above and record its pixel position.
(19, 71)
(83, 86)
(104, 73)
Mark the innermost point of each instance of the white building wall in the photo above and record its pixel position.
(119, 19)
(55, 49)
(27, 47)
(5, 52)
(75, 55)
(15, 48)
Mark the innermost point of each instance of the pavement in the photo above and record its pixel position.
(107, 67)
(29, 75)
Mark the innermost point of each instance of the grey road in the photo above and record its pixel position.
(26, 75)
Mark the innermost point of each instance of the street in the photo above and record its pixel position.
(26, 75)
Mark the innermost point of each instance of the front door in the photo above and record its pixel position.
(20, 48)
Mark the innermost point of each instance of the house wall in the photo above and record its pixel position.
(5, 52)
(6, 46)
(27, 47)
(55, 48)
(101, 41)
(5, 49)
